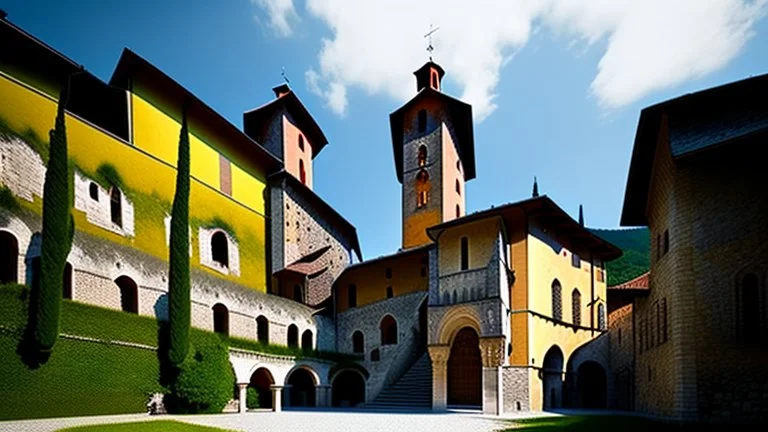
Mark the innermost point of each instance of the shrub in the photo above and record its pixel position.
(204, 381)
(7, 199)
(252, 398)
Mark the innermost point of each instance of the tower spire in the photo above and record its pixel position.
(581, 215)
(429, 34)
(535, 187)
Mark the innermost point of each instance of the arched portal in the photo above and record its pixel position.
(591, 382)
(9, 258)
(552, 378)
(306, 340)
(465, 369)
(302, 390)
(129, 294)
(261, 380)
(348, 389)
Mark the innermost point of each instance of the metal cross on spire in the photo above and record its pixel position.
(429, 34)
(285, 77)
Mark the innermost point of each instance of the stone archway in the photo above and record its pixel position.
(302, 388)
(592, 385)
(552, 378)
(465, 369)
(262, 381)
(348, 389)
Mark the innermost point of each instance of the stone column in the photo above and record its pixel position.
(322, 395)
(277, 398)
(492, 352)
(243, 393)
(439, 356)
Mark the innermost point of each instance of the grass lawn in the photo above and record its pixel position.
(595, 423)
(154, 426)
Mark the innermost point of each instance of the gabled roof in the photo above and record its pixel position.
(23, 54)
(258, 118)
(402, 253)
(461, 117)
(698, 122)
(550, 215)
(637, 286)
(322, 207)
(309, 265)
(132, 69)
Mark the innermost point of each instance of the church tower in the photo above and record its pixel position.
(433, 144)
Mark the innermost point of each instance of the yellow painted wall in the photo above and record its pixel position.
(481, 234)
(372, 283)
(157, 133)
(150, 184)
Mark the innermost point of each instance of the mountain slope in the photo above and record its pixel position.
(635, 244)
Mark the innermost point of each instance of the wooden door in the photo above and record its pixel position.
(465, 370)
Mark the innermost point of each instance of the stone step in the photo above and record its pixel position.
(413, 391)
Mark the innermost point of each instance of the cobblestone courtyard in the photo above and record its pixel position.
(296, 421)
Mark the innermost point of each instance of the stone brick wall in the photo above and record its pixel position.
(299, 229)
(515, 385)
(21, 168)
(620, 329)
(726, 213)
(394, 359)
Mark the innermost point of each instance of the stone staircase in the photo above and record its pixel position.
(413, 391)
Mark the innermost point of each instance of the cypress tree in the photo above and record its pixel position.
(178, 274)
(57, 233)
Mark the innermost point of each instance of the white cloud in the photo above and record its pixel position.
(279, 13)
(650, 44)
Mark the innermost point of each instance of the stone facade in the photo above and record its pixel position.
(394, 359)
(95, 201)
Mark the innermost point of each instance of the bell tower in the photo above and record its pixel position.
(433, 144)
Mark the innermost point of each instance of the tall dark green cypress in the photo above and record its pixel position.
(57, 232)
(178, 274)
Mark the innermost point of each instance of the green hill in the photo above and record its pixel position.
(635, 244)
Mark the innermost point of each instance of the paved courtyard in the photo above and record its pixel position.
(295, 421)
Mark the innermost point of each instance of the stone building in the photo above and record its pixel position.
(502, 309)
(696, 180)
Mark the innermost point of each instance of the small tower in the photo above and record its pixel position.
(433, 144)
(288, 131)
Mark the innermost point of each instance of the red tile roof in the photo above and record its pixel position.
(638, 283)
(308, 265)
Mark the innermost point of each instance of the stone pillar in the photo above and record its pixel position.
(439, 356)
(277, 398)
(492, 352)
(243, 393)
(322, 395)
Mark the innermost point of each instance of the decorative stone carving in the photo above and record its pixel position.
(439, 354)
(492, 351)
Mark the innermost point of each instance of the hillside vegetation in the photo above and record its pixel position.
(635, 245)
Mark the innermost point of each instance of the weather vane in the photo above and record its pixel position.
(285, 77)
(431, 48)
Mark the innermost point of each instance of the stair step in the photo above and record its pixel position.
(413, 391)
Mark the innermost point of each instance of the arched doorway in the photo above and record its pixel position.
(293, 336)
(388, 330)
(348, 389)
(591, 383)
(552, 378)
(261, 380)
(465, 369)
(9, 258)
(302, 390)
(129, 294)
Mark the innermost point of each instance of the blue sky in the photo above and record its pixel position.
(556, 91)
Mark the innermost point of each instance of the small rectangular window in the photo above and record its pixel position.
(464, 253)
(390, 292)
(575, 260)
(666, 241)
